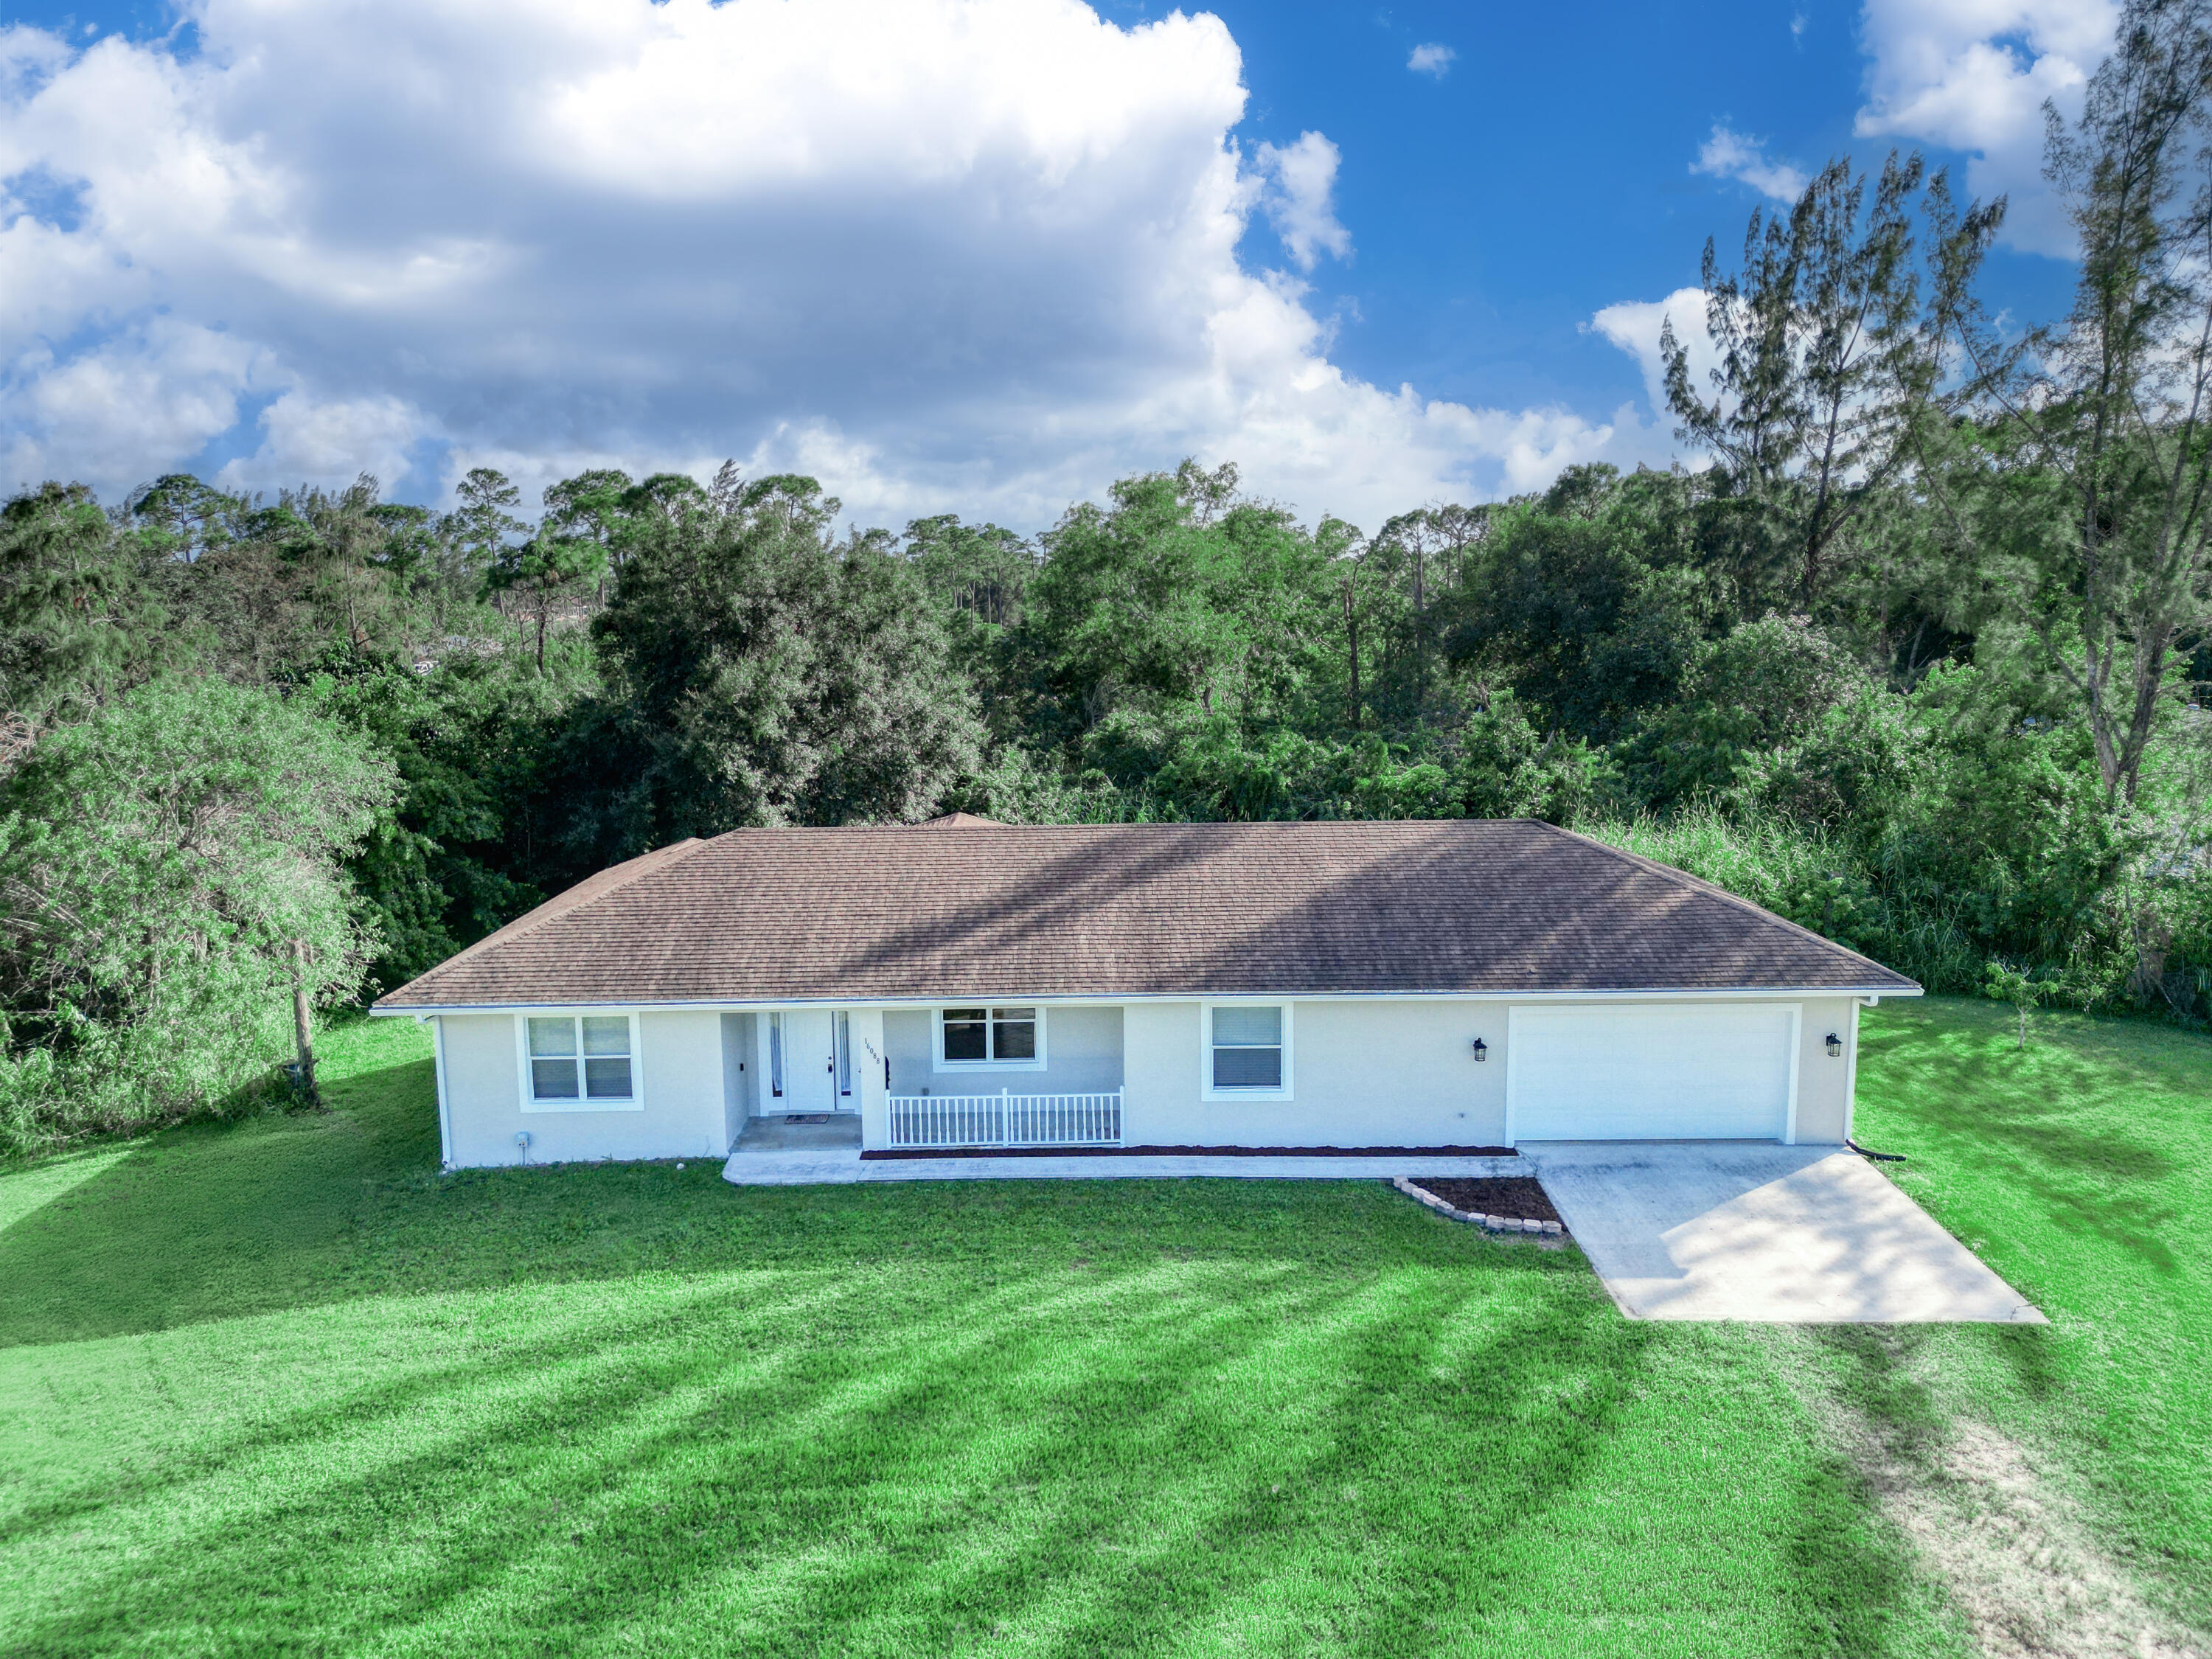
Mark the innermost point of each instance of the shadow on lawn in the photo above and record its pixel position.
(1855, 1577)
(2038, 1097)
(1003, 1464)
(1104, 1471)
(923, 1417)
(2030, 1116)
(212, 1220)
(1011, 1464)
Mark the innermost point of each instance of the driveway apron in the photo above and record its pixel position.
(1750, 1230)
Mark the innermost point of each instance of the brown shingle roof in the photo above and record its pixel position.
(984, 909)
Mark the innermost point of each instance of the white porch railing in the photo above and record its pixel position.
(1006, 1119)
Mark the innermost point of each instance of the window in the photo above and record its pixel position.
(775, 1055)
(1248, 1050)
(1013, 1034)
(966, 1035)
(1009, 1038)
(579, 1062)
(553, 1059)
(844, 1031)
(606, 1056)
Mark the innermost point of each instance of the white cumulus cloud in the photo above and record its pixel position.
(1432, 58)
(1731, 155)
(971, 255)
(157, 390)
(1301, 183)
(1634, 326)
(1973, 75)
(330, 442)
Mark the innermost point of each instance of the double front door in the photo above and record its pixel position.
(809, 1063)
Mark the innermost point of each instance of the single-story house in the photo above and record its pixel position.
(968, 983)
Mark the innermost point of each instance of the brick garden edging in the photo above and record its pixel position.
(1496, 1224)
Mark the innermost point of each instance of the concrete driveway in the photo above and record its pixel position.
(1749, 1230)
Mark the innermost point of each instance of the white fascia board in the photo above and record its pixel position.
(1745, 993)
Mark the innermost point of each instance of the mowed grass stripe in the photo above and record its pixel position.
(280, 1388)
(1110, 1470)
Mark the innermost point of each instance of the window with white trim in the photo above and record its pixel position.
(1248, 1049)
(580, 1061)
(775, 1055)
(1009, 1037)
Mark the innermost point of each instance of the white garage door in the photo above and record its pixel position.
(1648, 1074)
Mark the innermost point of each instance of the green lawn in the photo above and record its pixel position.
(280, 1388)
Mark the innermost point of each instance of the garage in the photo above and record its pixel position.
(1710, 1073)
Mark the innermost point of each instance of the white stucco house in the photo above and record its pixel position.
(966, 984)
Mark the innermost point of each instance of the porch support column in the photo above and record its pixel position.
(868, 1053)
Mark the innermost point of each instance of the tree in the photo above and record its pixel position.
(546, 572)
(182, 518)
(1746, 704)
(766, 673)
(1178, 593)
(1833, 362)
(343, 542)
(2006, 983)
(589, 508)
(2102, 527)
(463, 850)
(1412, 559)
(1562, 609)
(480, 525)
(408, 545)
(79, 621)
(605, 508)
(312, 580)
(664, 496)
(162, 867)
(979, 576)
(980, 570)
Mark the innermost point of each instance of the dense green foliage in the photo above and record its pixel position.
(169, 868)
(1917, 660)
(635, 1409)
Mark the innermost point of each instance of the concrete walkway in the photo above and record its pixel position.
(1749, 1230)
(809, 1167)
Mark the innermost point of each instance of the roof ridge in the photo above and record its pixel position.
(1713, 890)
(566, 902)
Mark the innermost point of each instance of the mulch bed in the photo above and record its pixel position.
(1523, 1198)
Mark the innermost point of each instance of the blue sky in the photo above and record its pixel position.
(1547, 174)
(970, 255)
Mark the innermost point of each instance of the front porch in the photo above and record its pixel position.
(992, 1077)
(1181, 1085)
(761, 1165)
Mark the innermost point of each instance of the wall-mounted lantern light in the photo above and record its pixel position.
(1481, 1049)
(1835, 1047)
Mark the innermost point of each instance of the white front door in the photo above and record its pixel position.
(808, 1061)
(1655, 1072)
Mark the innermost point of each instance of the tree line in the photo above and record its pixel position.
(1914, 655)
